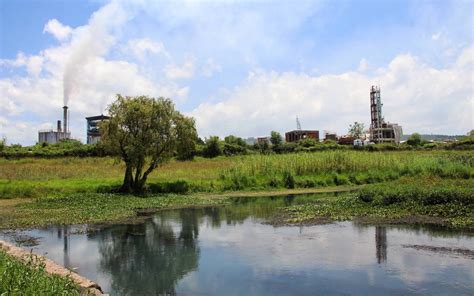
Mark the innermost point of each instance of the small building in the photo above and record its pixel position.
(93, 128)
(330, 137)
(346, 140)
(297, 135)
(53, 136)
(263, 140)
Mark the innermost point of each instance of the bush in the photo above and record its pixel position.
(414, 140)
(341, 179)
(212, 148)
(274, 182)
(420, 194)
(178, 187)
(306, 183)
(288, 180)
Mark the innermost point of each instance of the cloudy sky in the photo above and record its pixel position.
(239, 67)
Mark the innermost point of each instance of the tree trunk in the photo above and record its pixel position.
(127, 180)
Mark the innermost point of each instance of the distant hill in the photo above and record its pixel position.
(436, 137)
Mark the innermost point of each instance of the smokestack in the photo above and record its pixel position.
(59, 126)
(65, 119)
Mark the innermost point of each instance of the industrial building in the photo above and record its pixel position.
(297, 135)
(61, 133)
(93, 128)
(330, 137)
(381, 131)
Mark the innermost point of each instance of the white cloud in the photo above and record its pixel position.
(218, 36)
(141, 47)
(33, 63)
(363, 65)
(210, 67)
(58, 30)
(186, 70)
(435, 36)
(419, 97)
(79, 64)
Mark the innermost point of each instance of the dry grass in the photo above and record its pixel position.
(34, 169)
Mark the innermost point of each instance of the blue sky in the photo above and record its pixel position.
(243, 67)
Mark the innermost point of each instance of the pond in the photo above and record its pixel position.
(233, 251)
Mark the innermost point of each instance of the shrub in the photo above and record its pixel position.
(212, 147)
(341, 179)
(178, 187)
(274, 182)
(288, 179)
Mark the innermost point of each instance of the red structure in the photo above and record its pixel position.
(296, 135)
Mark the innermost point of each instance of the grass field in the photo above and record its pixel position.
(436, 185)
(32, 177)
(30, 278)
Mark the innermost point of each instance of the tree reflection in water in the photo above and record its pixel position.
(381, 244)
(150, 258)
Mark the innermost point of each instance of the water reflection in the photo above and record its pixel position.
(229, 251)
(150, 258)
(381, 244)
(63, 233)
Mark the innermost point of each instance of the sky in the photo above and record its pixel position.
(239, 67)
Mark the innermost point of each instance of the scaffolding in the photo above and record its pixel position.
(380, 131)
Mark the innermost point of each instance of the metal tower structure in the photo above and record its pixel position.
(298, 124)
(376, 113)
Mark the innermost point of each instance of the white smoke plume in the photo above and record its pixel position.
(91, 42)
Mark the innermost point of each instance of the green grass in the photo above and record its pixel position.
(31, 177)
(29, 278)
(431, 201)
(82, 208)
(398, 184)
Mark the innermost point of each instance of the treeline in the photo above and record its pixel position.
(232, 145)
(229, 146)
(45, 150)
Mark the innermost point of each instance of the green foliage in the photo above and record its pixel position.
(61, 149)
(146, 132)
(263, 147)
(414, 140)
(447, 203)
(234, 146)
(235, 180)
(28, 277)
(288, 180)
(178, 187)
(186, 138)
(81, 208)
(2, 144)
(441, 193)
(212, 148)
(285, 148)
(356, 130)
(276, 138)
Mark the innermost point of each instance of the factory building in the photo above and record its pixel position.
(93, 128)
(297, 135)
(381, 131)
(330, 137)
(62, 132)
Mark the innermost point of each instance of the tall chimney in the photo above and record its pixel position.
(59, 126)
(65, 119)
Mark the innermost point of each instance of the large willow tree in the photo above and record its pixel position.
(146, 132)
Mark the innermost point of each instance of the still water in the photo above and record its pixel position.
(232, 251)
